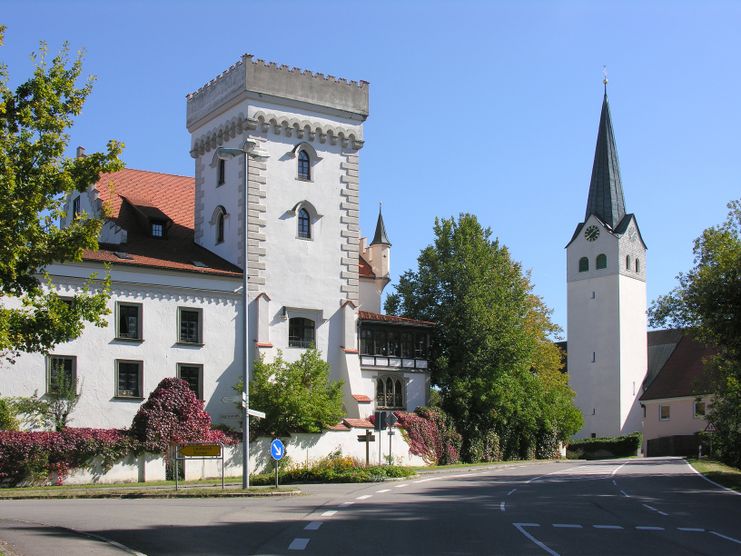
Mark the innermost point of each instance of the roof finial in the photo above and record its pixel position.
(604, 78)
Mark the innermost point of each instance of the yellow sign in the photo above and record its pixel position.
(200, 450)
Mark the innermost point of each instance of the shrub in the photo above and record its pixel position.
(32, 456)
(431, 435)
(8, 420)
(335, 468)
(173, 414)
(603, 448)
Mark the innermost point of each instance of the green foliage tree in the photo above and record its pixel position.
(35, 178)
(708, 301)
(296, 397)
(498, 372)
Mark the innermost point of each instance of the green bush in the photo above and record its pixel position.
(335, 468)
(8, 420)
(604, 448)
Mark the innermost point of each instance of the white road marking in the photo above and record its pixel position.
(624, 494)
(298, 544)
(501, 506)
(607, 526)
(329, 513)
(654, 509)
(427, 480)
(511, 491)
(402, 485)
(613, 482)
(384, 490)
(691, 529)
(313, 526)
(364, 497)
(618, 469)
(521, 528)
(712, 482)
(648, 528)
(725, 537)
(346, 504)
(567, 525)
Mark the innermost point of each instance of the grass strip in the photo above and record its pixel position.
(721, 473)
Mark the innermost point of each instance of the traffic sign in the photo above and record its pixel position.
(200, 450)
(366, 437)
(255, 413)
(277, 449)
(234, 399)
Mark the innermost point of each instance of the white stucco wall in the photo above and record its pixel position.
(160, 293)
(681, 421)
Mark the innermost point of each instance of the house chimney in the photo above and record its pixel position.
(80, 152)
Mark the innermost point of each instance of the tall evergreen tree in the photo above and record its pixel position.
(498, 371)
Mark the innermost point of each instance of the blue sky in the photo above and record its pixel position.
(482, 107)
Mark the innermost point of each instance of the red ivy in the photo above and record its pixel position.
(431, 435)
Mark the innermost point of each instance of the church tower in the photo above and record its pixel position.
(606, 277)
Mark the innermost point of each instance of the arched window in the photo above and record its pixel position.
(627, 262)
(304, 223)
(300, 332)
(218, 220)
(638, 265)
(304, 165)
(583, 264)
(389, 393)
(601, 261)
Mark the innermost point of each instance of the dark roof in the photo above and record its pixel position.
(605, 188)
(392, 319)
(380, 235)
(364, 269)
(683, 374)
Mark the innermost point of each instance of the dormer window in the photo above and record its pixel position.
(304, 165)
(221, 172)
(157, 229)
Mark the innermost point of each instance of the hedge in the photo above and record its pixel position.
(605, 447)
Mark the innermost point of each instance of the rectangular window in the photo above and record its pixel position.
(221, 172)
(158, 229)
(129, 379)
(129, 321)
(193, 375)
(189, 325)
(664, 412)
(698, 409)
(61, 371)
(76, 206)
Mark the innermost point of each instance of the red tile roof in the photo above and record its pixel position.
(339, 427)
(365, 269)
(391, 319)
(683, 374)
(358, 423)
(361, 398)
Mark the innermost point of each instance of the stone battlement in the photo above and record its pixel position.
(251, 75)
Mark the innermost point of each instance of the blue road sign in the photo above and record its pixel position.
(277, 450)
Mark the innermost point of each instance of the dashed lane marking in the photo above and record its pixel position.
(614, 471)
(401, 485)
(511, 491)
(329, 513)
(624, 494)
(501, 506)
(607, 526)
(691, 529)
(567, 526)
(364, 497)
(298, 544)
(383, 490)
(344, 504)
(313, 526)
(655, 509)
(648, 528)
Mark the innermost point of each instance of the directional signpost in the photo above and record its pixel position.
(368, 437)
(243, 401)
(277, 451)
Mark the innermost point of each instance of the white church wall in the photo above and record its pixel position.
(633, 351)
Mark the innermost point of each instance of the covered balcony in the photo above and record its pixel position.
(393, 343)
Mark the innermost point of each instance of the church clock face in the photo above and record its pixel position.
(591, 233)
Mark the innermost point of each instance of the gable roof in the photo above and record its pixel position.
(364, 268)
(132, 195)
(683, 374)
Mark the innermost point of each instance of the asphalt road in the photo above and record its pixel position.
(638, 506)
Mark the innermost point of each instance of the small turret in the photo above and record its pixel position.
(379, 251)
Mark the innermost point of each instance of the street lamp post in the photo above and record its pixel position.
(249, 149)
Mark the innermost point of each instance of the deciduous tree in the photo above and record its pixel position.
(498, 371)
(35, 178)
(708, 301)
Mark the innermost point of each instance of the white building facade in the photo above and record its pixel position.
(606, 322)
(175, 248)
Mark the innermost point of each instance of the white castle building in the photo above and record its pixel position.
(606, 322)
(175, 247)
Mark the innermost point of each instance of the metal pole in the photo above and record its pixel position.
(245, 342)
